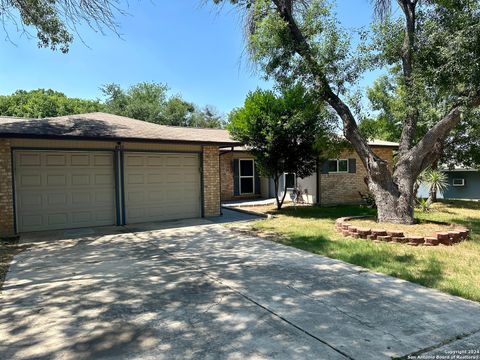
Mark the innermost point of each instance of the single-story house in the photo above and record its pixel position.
(336, 181)
(463, 183)
(100, 169)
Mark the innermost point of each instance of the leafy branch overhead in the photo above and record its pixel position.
(55, 22)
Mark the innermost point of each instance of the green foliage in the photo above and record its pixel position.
(54, 21)
(281, 129)
(143, 101)
(150, 102)
(445, 59)
(424, 205)
(44, 103)
(436, 180)
(388, 101)
(369, 200)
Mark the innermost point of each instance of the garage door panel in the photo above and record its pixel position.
(80, 160)
(63, 189)
(163, 187)
(81, 198)
(56, 160)
(156, 178)
(29, 160)
(31, 199)
(155, 161)
(133, 160)
(32, 221)
(134, 179)
(30, 180)
(82, 217)
(57, 199)
(56, 180)
(81, 180)
(104, 179)
(103, 160)
(59, 219)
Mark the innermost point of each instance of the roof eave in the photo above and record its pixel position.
(117, 139)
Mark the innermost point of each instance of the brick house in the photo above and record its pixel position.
(100, 169)
(336, 181)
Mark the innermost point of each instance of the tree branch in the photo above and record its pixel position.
(431, 145)
(411, 117)
(302, 47)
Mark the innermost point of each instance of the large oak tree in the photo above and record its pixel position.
(436, 44)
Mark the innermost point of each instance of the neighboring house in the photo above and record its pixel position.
(102, 169)
(463, 183)
(337, 181)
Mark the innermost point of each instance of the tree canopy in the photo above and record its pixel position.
(150, 102)
(144, 101)
(435, 44)
(387, 102)
(282, 131)
(42, 103)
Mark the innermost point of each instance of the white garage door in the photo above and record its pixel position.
(161, 186)
(61, 189)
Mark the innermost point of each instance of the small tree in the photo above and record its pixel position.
(281, 131)
(437, 181)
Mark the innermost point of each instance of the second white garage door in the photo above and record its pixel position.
(161, 187)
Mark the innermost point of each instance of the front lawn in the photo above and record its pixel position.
(453, 269)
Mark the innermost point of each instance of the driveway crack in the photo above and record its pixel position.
(251, 300)
(438, 345)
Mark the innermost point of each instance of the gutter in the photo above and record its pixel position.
(117, 139)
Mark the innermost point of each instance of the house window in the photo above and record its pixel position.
(247, 177)
(290, 181)
(338, 166)
(458, 182)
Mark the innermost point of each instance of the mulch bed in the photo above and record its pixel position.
(453, 236)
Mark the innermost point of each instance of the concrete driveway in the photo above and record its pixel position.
(199, 290)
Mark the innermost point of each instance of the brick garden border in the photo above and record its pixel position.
(454, 236)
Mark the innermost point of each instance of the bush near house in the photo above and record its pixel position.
(452, 269)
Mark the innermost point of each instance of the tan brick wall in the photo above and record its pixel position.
(6, 192)
(343, 188)
(211, 181)
(226, 175)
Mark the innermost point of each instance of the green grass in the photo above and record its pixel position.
(453, 269)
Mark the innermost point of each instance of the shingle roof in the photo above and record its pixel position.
(107, 126)
(380, 143)
(375, 142)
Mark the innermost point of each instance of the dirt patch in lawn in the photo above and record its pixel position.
(8, 249)
(423, 228)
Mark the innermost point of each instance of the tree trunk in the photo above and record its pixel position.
(276, 180)
(394, 196)
(432, 196)
(393, 192)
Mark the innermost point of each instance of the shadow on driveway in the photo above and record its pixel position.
(205, 291)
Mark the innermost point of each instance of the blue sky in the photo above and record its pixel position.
(195, 48)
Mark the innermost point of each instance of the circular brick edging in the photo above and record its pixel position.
(454, 236)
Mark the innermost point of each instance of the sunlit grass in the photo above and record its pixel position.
(453, 269)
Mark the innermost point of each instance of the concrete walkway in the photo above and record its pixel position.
(203, 291)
